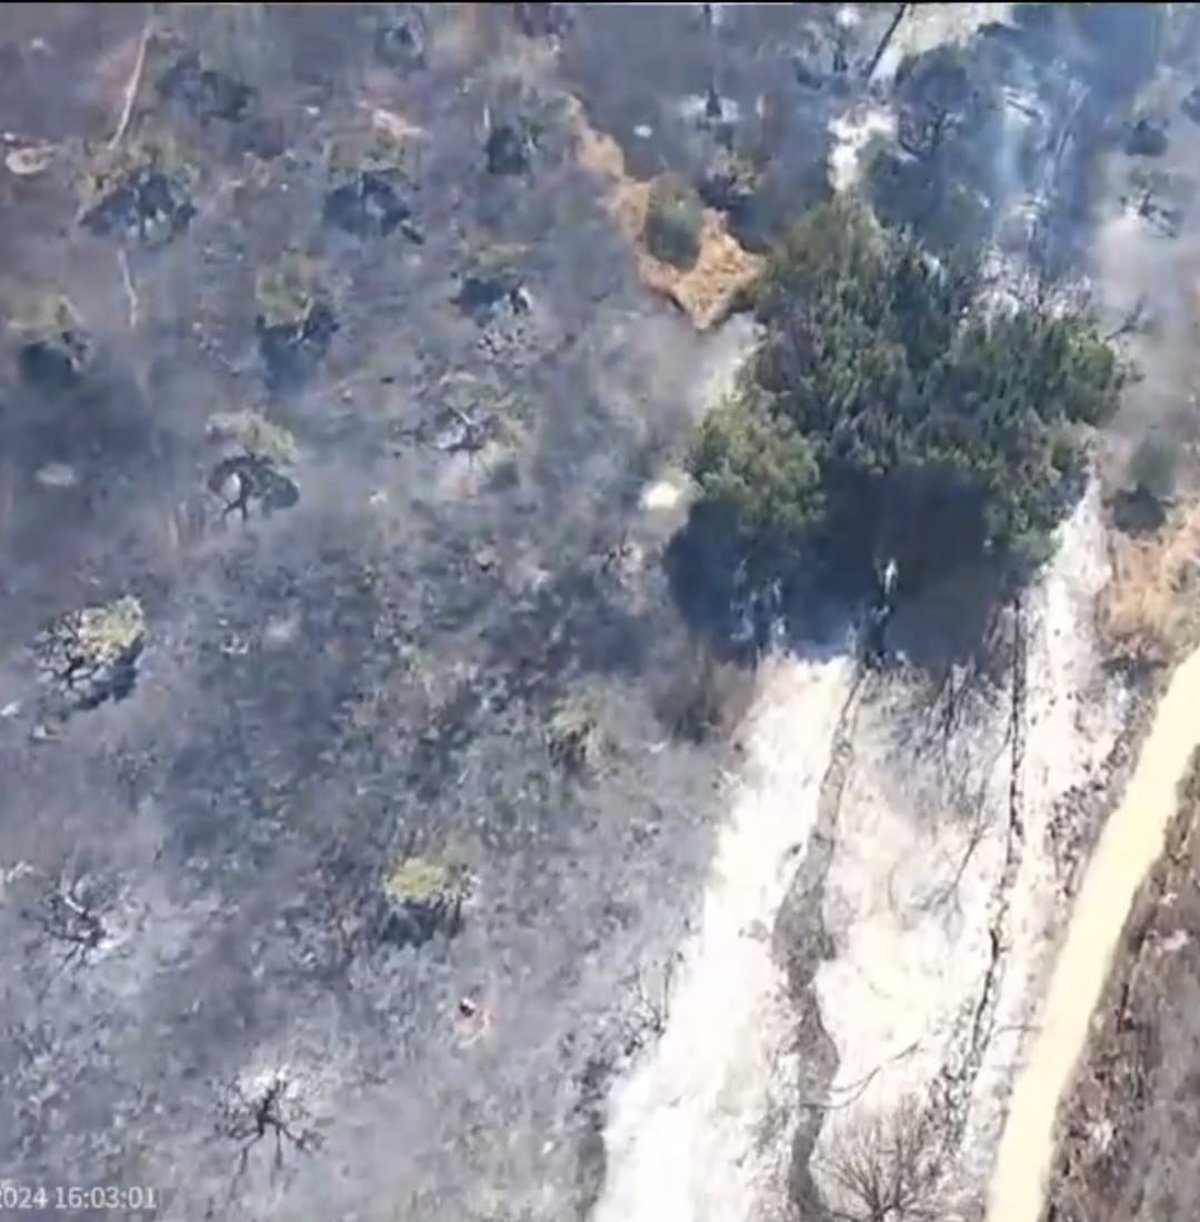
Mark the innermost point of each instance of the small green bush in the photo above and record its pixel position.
(674, 219)
(422, 880)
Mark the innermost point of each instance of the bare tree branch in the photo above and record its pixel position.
(135, 80)
(885, 1168)
(886, 41)
(131, 296)
(1133, 322)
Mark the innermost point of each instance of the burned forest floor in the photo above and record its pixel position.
(357, 776)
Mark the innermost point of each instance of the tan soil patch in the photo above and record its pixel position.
(720, 281)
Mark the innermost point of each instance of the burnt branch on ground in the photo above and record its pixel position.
(647, 1020)
(70, 914)
(1134, 322)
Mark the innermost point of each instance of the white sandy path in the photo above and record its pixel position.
(896, 999)
(1074, 716)
(683, 1136)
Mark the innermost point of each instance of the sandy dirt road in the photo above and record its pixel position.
(1131, 842)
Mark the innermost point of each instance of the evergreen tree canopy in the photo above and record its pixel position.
(886, 412)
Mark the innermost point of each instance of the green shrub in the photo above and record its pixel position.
(674, 219)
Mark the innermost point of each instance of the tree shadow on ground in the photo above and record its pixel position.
(701, 562)
(742, 606)
(952, 622)
(1136, 512)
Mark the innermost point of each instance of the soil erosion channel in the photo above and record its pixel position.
(1129, 845)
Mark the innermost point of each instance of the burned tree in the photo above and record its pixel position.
(69, 913)
(1146, 137)
(572, 737)
(245, 478)
(509, 147)
(401, 39)
(647, 1018)
(885, 1167)
(54, 349)
(369, 182)
(255, 467)
(422, 895)
(270, 1107)
(140, 192)
(90, 656)
(206, 92)
(295, 322)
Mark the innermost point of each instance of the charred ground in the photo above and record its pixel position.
(318, 910)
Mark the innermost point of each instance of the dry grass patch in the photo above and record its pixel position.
(1148, 610)
(716, 284)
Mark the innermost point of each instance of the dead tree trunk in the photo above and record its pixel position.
(886, 41)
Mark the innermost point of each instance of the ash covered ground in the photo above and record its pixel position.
(361, 760)
(354, 799)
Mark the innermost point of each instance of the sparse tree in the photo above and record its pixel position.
(939, 173)
(885, 1167)
(935, 92)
